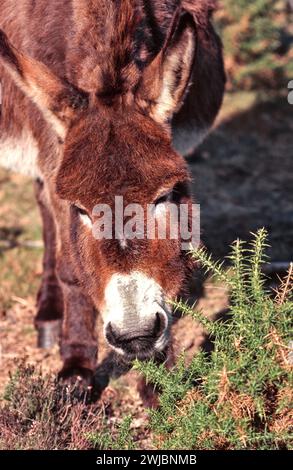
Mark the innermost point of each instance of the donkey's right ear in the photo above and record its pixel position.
(58, 100)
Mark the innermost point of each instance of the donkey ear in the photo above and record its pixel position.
(58, 100)
(166, 79)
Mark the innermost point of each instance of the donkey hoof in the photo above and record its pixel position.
(48, 333)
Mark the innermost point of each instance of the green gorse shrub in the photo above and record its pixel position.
(240, 395)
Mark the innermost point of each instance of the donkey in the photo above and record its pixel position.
(98, 99)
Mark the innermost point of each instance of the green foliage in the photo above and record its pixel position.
(121, 440)
(256, 38)
(239, 396)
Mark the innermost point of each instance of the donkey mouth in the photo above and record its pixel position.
(140, 345)
(144, 353)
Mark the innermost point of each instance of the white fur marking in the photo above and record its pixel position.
(20, 155)
(132, 301)
(86, 220)
(123, 243)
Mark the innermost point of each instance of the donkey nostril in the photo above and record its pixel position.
(136, 340)
(160, 325)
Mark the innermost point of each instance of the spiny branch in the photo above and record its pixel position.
(286, 287)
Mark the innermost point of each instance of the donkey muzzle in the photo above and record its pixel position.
(136, 316)
(139, 342)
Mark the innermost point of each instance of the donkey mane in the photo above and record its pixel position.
(115, 40)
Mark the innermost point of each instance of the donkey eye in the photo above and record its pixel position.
(79, 210)
(83, 215)
(179, 192)
(164, 198)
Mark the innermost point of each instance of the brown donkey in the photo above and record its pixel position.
(96, 95)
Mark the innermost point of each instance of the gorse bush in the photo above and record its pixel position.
(257, 42)
(239, 396)
(123, 439)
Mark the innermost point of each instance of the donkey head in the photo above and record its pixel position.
(116, 146)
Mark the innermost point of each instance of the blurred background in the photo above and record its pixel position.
(243, 173)
(258, 40)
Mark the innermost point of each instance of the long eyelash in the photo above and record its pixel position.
(165, 198)
(80, 210)
(179, 191)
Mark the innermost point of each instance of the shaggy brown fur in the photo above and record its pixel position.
(99, 88)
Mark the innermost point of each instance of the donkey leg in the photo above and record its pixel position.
(50, 300)
(78, 339)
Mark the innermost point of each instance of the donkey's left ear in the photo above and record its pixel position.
(166, 79)
(58, 100)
